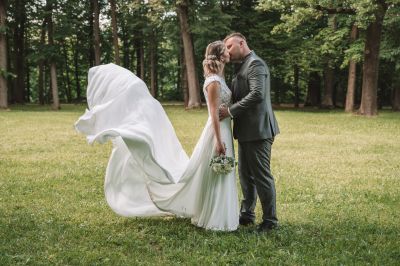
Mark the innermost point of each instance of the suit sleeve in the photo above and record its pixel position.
(256, 82)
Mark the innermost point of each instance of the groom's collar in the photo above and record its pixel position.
(239, 64)
(247, 56)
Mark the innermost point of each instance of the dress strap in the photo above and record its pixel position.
(210, 79)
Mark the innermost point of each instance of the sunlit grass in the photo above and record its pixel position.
(337, 178)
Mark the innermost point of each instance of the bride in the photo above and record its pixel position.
(149, 173)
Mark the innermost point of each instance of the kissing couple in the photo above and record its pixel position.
(149, 173)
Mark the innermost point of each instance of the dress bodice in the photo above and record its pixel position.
(225, 96)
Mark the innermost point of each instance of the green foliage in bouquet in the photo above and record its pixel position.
(222, 164)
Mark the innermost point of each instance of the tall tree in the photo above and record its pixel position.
(3, 56)
(329, 72)
(53, 68)
(91, 34)
(41, 65)
(96, 32)
(369, 103)
(153, 65)
(19, 51)
(183, 76)
(193, 82)
(68, 91)
(115, 32)
(76, 70)
(351, 81)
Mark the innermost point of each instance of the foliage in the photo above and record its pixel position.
(390, 49)
(328, 42)
(6, 74)
(287, 34)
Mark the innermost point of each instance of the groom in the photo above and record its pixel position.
(255, 127)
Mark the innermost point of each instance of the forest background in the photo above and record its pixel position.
(326, 54)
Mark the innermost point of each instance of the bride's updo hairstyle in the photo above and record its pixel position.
(212, 63)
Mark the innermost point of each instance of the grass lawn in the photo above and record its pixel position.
(337, 178)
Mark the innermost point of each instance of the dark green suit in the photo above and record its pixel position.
(254, 127)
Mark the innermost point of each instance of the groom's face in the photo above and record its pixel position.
(234, 46)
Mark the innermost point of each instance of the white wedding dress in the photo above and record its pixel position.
(149, 173)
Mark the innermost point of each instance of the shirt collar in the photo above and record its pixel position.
(248, 55)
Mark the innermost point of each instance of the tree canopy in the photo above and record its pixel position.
(47, 47)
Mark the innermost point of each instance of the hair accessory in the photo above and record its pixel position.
(212, 57)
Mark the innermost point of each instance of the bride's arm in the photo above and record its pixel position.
(213, 100)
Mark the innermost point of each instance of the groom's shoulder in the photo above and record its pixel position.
(255, 60)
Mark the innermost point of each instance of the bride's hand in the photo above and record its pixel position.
(220, 148)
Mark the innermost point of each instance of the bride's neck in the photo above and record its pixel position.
(221, 72)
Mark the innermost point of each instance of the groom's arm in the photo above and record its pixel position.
(256, 82)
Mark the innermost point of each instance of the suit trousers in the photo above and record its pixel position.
(256, 178)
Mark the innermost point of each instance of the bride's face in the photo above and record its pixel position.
(226, 57)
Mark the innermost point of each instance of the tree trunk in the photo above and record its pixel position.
(19, 49)
(369, 94)
(3, 57)
(27, 79)
(153, 66)
(396, 95)
(139, 55)
(125, 45)
(351, 84)
(41, 66)
(313, 90)
(329, 76)
(329, 72)
(54, 88)
(194, 88)
(41, 83)
(96, 32)
(296, 86)
(68, 85)
(53, 70)
(76, 70)
(115, 32)
(90, 34)
(183, 77)
(142, 62)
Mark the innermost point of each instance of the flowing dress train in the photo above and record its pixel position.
(149, 173)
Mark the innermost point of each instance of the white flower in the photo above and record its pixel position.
(222, 165)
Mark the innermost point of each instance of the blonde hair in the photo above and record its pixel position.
(212, 63)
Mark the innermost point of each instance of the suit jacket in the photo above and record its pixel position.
(253, 117)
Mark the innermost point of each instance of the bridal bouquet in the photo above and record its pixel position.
(222, 164)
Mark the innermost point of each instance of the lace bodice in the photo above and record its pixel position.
(225, 96)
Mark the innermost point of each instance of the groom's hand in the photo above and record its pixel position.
(223, 112)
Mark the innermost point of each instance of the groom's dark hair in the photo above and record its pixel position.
(235, 34)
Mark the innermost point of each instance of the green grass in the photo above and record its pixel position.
(337, 178)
